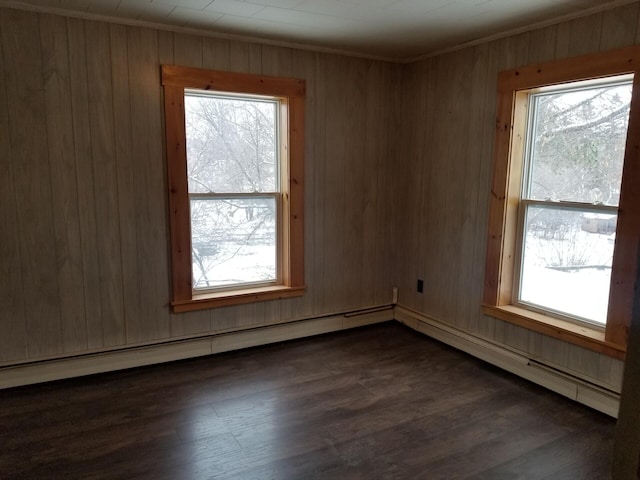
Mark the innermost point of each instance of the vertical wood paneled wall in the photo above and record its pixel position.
(445, 179)
(397, 171)
(83, 202)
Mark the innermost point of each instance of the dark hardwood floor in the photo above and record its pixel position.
(381, 402)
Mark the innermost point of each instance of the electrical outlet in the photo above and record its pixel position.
(420, 286)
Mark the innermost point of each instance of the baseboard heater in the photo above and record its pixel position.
(121, 358)
(573, 387)
(578, 389)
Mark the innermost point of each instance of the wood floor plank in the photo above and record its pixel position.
(380, 402)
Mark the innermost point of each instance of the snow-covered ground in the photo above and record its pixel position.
(582, 291)
(237, 264)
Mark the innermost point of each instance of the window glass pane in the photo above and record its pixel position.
(231, 144)
(577, 144)
(233, 241)
(567, 261)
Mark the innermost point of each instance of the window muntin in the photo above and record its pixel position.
(574, 155)
(233, 165)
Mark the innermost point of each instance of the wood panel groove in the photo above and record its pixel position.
(106, 197)
(333, 180)
(28, 132)
(619, 27)
(63, 179)
(384, 213)
(586, 33)
(55, 334)
(354, 184)
(420, 185)
(79, 107)
(317, 170)
(479, 78)
(126, 185)
(371, 144)
(150, 181)
(13, 341)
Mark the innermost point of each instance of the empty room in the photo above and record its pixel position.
(341, 239)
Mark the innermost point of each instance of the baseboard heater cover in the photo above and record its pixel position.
(594, 396)
(579, 390)
(88, 364)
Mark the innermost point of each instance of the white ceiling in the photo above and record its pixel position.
(392, 29)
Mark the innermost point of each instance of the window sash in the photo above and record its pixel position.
(525, 206)
(276, 102)
(533, 97)
(278, 200)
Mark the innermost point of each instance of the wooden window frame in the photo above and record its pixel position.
(504, 202)
(175, 79)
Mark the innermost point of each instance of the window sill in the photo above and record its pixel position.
(581, 335)
(236, 297)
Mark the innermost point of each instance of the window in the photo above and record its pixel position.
(234, 190)
(234, 155)
(574, 152)
(564, 214)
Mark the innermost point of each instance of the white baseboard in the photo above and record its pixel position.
(581, 391)
(75, 366)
